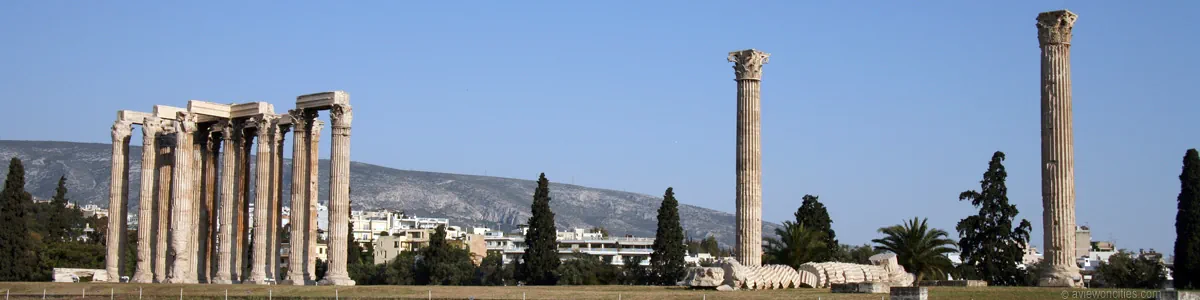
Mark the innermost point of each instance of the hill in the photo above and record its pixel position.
(468, 200)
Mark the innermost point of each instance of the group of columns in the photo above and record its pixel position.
(194, 212)
(1058, 151)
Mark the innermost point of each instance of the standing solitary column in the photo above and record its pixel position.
(262, 197)
(314, 169)
(1058, 150)
(339, 195)
(747, 66)
(225, 231)
(181, 208)
(144, 273)
(117, 198)
(162, 200)
(297, 241)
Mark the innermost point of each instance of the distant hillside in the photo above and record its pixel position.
(467, 200)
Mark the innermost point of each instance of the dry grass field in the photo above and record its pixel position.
(33, 290)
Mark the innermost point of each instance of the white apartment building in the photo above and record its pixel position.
(577, 240)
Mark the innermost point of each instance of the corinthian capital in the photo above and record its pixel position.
(264, 124)
(1054, 27)
(301, 119)
(121, 130)
(341, 115)
(747, 64)
(150, 128)
(185, 123)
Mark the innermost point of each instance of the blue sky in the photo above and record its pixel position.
(886, 109)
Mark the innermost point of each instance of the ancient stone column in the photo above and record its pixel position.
(208, 225)
(162, 199)
(276, 200)
(182, 231)
(297, 241)
(314, 169)
(144, 273)
(117, 198)
(747, 66)
(340, 116)
(241, 246)
(225, 231)
(262, 197)
(1058, 150)
(199, 140)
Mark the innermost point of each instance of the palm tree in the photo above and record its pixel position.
(796, 245)
(920, 249)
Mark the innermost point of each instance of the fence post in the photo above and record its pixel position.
(430, 294)
(180, 293)
(335, 294)
(139, 292)
(270, 294)
(83, 289)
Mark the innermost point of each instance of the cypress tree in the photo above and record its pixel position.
(61, 221)
(1187, 224)
(992, 243)
(813, 215)
(667, 258)
(18, 260)
(541, 252)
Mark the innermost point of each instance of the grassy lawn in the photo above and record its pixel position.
(31, 290)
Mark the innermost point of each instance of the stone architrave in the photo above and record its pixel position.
(747, 66)
(340, 116)
(1058, 149)
(162, 200)
(314, 147)
(144, 273)
(298, 247)
(225, 233)
(182, 231)
(262, 197)
(118, 198)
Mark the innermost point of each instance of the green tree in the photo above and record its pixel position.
(854, 254)
(601, 230)
(19, 260)
(920, 249)
(1187, 224)
(1123, 270)
(580, 269)
(633, 272)
(541, 254)
(400, 271)
(61, 219)
(795, 246)
(492, 271)
(813, 215)
(667, 258)
(992, 244)
(443, 264)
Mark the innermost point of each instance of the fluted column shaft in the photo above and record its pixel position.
(162, 201)
(314, 170)
(297, 241)
(276, 200)
(208, 225)
(197, 188)
(144, 273)
(748, 70)
(1058, 150)
(182, 214)
(243, 204)
(118, 197)
(225, 230)
(339, 196)
(262, 197)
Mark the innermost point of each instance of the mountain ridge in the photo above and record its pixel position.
(468, 200)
